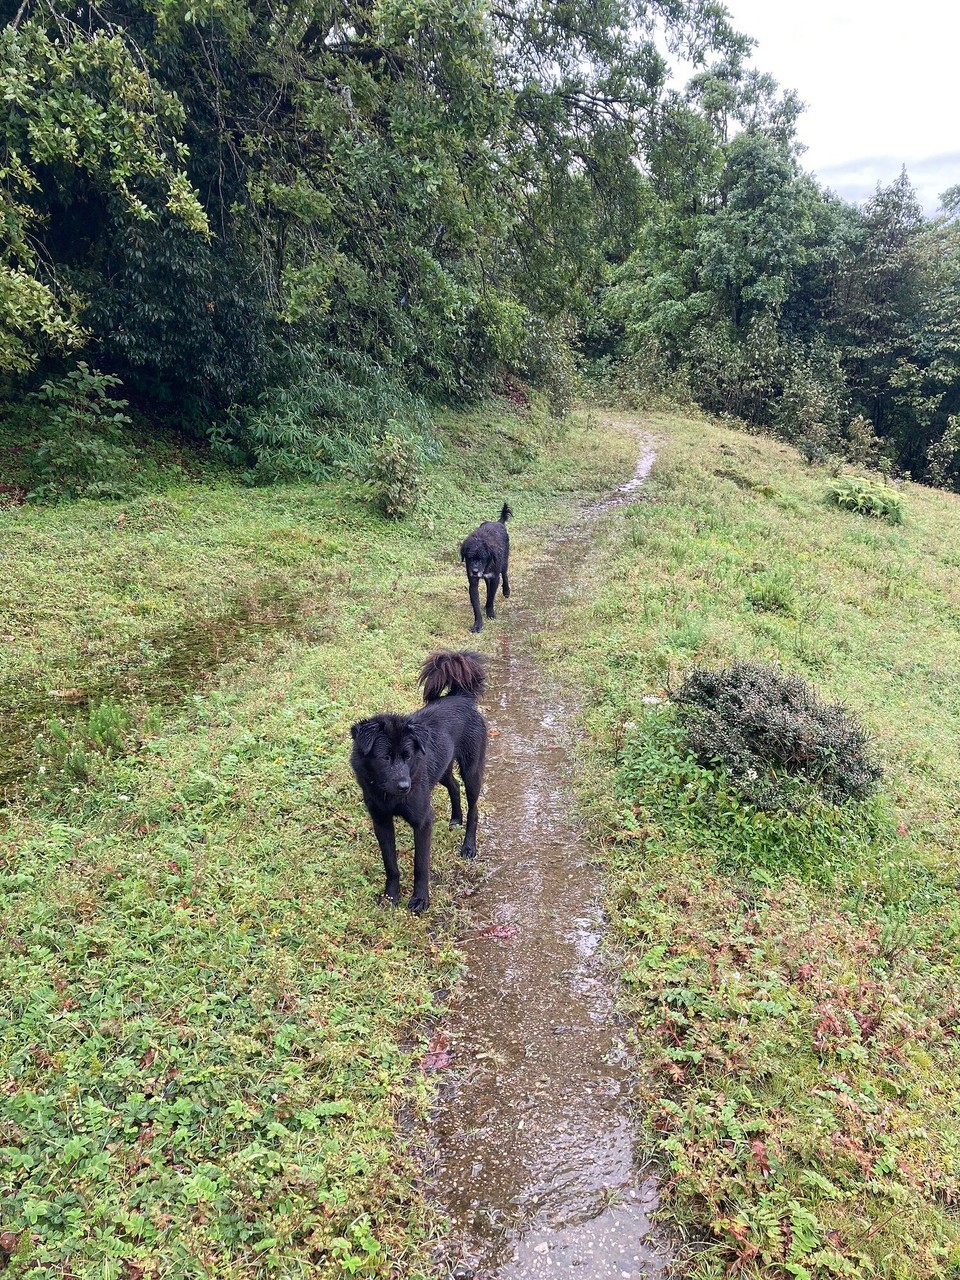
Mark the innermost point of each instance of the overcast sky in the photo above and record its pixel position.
(880, 83)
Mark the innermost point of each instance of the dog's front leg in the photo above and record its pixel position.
(492, 584)
(475, 601)
(387, 840)
(422, 840)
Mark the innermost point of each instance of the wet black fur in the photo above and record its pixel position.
(486, 554)
(398, 760)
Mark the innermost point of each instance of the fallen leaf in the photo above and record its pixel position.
(437, 1061)
(500, 931)
(438, 1056)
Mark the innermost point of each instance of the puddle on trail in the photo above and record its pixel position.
(159, 670)
(534, 1133)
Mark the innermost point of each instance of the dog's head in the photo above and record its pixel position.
(477, 555)
(387, 754)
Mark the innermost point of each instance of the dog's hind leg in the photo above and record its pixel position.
(422, 840)
(506, 580)
(492, 584)
(475, 602)
(471, 770)
(387, 840)
(453, 790)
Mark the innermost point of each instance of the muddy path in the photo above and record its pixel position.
(535, 1140)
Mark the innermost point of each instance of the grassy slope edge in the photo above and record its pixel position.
(793, 984)
(208, 1031)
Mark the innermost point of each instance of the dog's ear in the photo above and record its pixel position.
(418, 737)
(364, 733)
(463, 551)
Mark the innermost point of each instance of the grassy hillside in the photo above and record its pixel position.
(209, 1032)
(793, 979)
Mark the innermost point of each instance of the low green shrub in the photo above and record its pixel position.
(944, 454)
(82, 449)
(867, 498)
(393, 474)
(774, 736)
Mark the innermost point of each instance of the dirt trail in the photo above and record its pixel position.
(535, 1139)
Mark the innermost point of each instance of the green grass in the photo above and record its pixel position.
(209, 1032)
(792, 978)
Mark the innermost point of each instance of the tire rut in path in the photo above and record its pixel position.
(534, 1135)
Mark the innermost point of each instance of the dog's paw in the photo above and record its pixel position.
(506, 592)
(476, 628)
(390, 896)
(419, 903)
(491, 614)
(468, 851)
(455, 822)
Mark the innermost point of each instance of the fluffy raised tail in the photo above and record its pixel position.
(505, 514)
(446, 672)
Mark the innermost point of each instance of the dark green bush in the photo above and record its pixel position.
(771, 732)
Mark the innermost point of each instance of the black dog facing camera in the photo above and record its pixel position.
(398, 760)
(486, 553)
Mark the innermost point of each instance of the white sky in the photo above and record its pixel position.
(880, 80)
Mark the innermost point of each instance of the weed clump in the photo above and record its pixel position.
(70, 748)
(867, 498)
(774, 736)
(773, 592)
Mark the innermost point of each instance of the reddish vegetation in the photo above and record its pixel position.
(803, 1068)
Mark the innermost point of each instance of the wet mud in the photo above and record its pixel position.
(535, 1139)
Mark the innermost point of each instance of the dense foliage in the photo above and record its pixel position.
(231, 204)
(288, 225)
(754, 292)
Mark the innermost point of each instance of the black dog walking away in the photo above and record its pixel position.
(398, 760)
(486, 553)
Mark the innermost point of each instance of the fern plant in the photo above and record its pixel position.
(867, 498)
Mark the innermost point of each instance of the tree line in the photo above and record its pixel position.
(285, 225)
